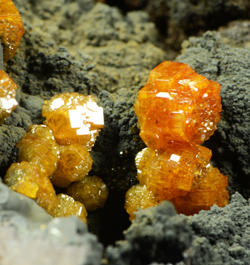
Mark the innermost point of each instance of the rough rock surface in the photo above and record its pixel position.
(219, 236)
(228, 65)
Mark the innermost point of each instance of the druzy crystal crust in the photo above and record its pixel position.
(7, 96)
(177, 111)
(11, 28)
(73, 118)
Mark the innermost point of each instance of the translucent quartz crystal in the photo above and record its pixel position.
(27, 179)
(75, 162)
(7, 93)
(177, 104)
(11, 28)
(73, 118)
(68, 207)
(139, 196)
(38, 146)
(91, 191)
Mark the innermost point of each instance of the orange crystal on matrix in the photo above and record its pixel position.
(177, 111)
(7, 96)
(177, 104)
(73, 118)
(11, 28)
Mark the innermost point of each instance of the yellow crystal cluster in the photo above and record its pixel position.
(177, 111)
(46, 156)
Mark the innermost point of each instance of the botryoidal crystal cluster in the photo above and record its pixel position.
(57, 153)
(177, 111)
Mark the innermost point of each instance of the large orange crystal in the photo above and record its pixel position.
(75, 162)
(73, 118)
(7, 95)
(38, 146)
(177, 110)
(25, 178)
(11, 28)
(177, 104)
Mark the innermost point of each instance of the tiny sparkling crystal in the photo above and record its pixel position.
(68, 207)
(91, 191)
(7, 95)
(73, 118)
(11, 28)
(177, 111)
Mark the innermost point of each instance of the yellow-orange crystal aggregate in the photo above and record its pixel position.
(73, 118)
(75, 162)
(177, 111)
(7, 95)
(178, 105)
(139, 196)
(25, 178)
(68, 206)
(91, 191)
(38, 146)
(11, 28)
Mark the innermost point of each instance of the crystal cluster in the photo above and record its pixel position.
(45, 159)
(11, 28)
(7, 95)
(177, 111)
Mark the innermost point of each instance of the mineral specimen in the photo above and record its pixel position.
(177, 104)
(73, 118)
(38, 146)
(26, 178)
(11, 28)
(7, 95)
(177, 111)
(68, 206)
(91, 191)
(139, 196)
(75, 162)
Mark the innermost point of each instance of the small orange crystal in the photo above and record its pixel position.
(139, 196)
(68, 207)
(7, 95)
(25, 178)
(11, 28)
(91, 191)
(38, 146)
(177, 104)
(73, 118)
(75, 162)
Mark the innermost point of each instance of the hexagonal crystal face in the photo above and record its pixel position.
(177, 104)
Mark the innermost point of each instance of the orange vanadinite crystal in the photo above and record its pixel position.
(25, 178)
(139, 196)
(173, 172)
(68, 207)
(38, 146)
(73, 118)
(7, 96)
(75, 162)
(177, 104)
(11, 28)
(177, 111)
(91, 191)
